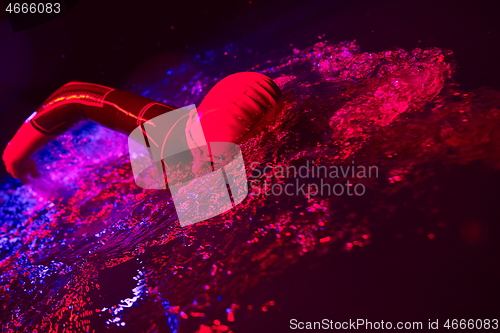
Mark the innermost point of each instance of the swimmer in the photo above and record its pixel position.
(228, 113)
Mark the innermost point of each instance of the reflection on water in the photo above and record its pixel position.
(83, 248)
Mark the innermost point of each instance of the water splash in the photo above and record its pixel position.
(68, 236)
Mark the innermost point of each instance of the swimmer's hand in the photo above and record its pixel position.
(16, 155)
(22, 170)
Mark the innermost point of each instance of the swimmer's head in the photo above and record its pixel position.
(235, 105)
(229, 112)
(231, 109)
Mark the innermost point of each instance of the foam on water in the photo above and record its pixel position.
(83, 248)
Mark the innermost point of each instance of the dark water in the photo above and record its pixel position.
(84, 249)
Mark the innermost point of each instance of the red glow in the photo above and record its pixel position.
(325, 239)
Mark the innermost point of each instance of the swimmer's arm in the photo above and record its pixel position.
(116, 109)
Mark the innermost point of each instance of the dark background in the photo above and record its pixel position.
(104, 41)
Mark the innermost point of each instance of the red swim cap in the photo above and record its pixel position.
(232, 108)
